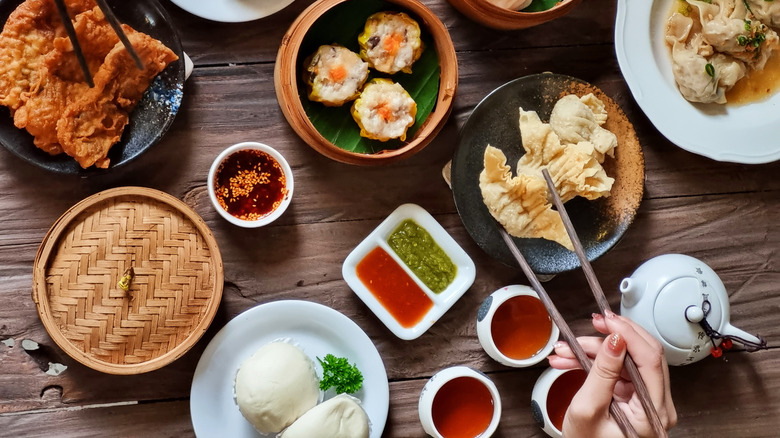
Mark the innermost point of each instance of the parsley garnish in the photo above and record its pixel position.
(336, 371)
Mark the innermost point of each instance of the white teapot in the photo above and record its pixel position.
(682, 302)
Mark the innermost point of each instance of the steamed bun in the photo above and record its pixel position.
(340, 417)
(275, 386)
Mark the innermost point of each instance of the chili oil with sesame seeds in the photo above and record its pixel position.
(250, 184)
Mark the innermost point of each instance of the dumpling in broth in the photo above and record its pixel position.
(766, 11)
(690, 57)
(732, 29)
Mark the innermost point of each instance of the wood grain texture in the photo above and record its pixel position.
(725, 214)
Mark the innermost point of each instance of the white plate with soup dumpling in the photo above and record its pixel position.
(316, 329)
(745, 133)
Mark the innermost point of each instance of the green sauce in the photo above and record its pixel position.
(415, 246)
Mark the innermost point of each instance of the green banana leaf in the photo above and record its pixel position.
(541, 5)
(342, 25)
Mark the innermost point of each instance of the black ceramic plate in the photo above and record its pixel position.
(599, 224)
(150, 119)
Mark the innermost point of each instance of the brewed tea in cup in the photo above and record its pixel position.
(514, 327)
(552, 395)
(459, 402)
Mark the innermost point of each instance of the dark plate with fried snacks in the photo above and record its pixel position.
(599, 224)
(149, 120)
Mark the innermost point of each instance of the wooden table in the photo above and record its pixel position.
(726, 214)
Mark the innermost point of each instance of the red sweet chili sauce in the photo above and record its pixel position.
(250, 184)
(393, 288)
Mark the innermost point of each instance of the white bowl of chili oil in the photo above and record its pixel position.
(405, 298)
(250, 184)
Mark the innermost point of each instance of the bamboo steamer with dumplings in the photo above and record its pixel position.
(316, 26)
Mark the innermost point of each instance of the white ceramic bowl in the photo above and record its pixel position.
(441, 301)
(438, 380)
(270, 217)
(539, 397)
(485, 323)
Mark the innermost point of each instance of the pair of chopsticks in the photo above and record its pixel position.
(603, 304)
(112, 20)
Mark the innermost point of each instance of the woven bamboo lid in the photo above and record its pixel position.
(173, 295)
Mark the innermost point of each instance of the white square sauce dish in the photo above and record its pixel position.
(409, 271)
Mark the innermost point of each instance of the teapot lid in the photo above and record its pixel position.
(669, 313)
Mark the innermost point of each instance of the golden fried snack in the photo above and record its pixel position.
(574, 168)
(27, 36)
(94, 122)
(43, 85)
(520, 203)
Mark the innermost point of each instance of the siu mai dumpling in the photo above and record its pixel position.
(391, 42)
(384, 110)
(334, 75)
(519, 204)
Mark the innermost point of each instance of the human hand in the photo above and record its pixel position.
(588, 415)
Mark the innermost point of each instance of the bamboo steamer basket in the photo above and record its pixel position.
(286, 81)
(172, 298)
(490, 15)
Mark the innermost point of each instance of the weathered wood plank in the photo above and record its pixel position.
(304, 262)
(258, 41)
(160, 419)
(722, 213)
(732, 397)
(231, 104)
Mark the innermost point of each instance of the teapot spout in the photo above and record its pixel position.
(631, 292)
(746, 339)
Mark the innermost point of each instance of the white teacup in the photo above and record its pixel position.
(551, 397)
(461, 391)
(485, 325)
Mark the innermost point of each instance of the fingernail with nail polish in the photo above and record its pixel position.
(616, 344)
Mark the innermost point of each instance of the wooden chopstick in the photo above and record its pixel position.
(603, 304)
(63, 11)
(566, 333)
(112, 20)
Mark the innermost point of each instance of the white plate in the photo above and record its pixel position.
(232, 11)
(317, 329)
(441, 301)
(741, 134)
